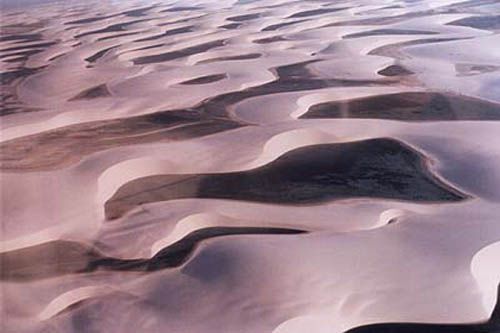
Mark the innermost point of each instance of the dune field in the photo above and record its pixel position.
(250, 166)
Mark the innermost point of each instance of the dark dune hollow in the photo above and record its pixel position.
(270, 40)
(242, 18)
(206, 79)
(90, 20)
(138, 12)
(412, 106)
(178, 53)
(18, 74)
(21, 37)
(59, 147)
(112, 28)
(248, 56)
(380, 168)
(117, 36)
(95, 92)
(491, 326)
(381, 32)
(316, 12)
(230, 26)
(58, 258)
(98, 55)
(479, 22)
(394, 70)
(274, 27)
(167, 33)
(180, 9)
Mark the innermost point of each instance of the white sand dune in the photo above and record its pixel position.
(104, 97)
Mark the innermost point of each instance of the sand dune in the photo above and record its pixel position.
(249, 166)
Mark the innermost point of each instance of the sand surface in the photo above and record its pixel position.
(250, 166)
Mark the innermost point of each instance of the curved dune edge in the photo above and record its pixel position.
(314, 323)
(119, 174)
(486, 271)
(72, 297)
(304, 103)
(203, 220)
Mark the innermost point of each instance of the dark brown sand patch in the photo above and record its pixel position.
(22, 37)
(90, 20)
(180, 9)
(56, 148)
(206, 79)
(118, 27)
(316, 12)
(377, 168)
(167, 33)
(95, 92)
(479, 22)
(274, 27)
(64, 146)
(242, 18)
(138, 12)
(382, 32)
(412, 106)
(395, 70)
(248, 56)
(172, 55)
(59, 258)
(117, 36)
(98, 55)
(270, 40)
(231, 26)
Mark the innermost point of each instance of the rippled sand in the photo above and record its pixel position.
(250, 166)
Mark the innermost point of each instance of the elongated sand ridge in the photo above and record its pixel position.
(250, 166)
